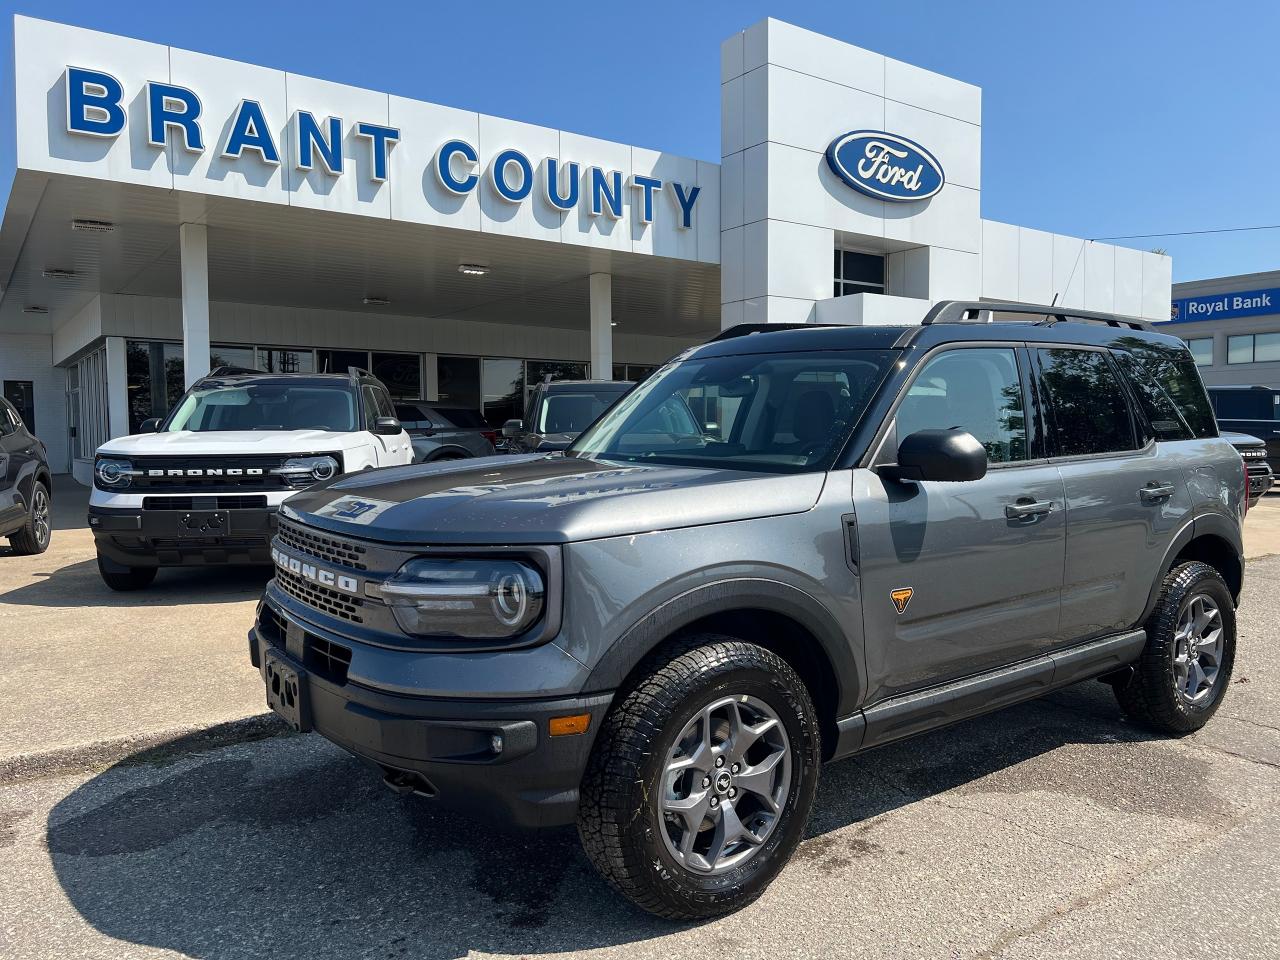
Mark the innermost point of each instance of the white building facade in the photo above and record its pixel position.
(174, 210)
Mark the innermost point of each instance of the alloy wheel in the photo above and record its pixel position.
(1198, 646)
(725, 784)
(40, 516)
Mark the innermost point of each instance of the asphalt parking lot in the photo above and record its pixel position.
(145, 810)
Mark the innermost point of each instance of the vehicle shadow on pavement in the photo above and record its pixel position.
(288, 847)
(80, 585)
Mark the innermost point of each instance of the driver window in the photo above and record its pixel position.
(975, 390)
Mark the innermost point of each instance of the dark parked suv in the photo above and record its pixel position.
(558, 411)
(862, 533)
(24, 485)
(445, 433)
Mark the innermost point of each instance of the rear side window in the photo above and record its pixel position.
(1171, 395)
(1086, 410)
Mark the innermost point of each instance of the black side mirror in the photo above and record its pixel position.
(386, 426)
(951, 456)
(511, 428)
(150, 426)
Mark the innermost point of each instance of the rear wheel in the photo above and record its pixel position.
(701, 780)
(123, 578)
(34, 537)
(1191, 647)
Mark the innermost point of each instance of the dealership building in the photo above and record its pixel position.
(1232, 325)
(173, 210)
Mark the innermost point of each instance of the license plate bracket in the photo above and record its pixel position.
(287, 691)
(204, 523)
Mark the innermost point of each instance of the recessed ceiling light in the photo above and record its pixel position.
(93, 226)
(35, 309)
(52, 273)
(613, 323)
(376, 301)
(473, 269)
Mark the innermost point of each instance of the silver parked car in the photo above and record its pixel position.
(788, 545)
(445, 433)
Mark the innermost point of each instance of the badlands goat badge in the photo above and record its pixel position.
(901, 597)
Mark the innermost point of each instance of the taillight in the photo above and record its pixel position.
(490, 435)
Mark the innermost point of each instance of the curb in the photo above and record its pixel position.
(155, 748)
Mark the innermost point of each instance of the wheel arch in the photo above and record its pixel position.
(1211, 539)
(448, 450)
(779, 617)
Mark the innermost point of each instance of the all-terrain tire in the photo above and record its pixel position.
(127, 578)
(34, 537)
(1153, 694)
(619, 818)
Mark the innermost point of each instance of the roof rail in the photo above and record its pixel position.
(227, 370)
(355, 373)
(746, 329)
(969, 311)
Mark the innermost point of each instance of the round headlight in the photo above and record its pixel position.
(308, 470)
(113, 473)
(472, 599)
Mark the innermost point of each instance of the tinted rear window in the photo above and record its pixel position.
(1171, 396)
(1087, 411)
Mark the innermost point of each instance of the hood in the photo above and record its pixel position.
(264, 442)
(1241, 439)
(543, 499)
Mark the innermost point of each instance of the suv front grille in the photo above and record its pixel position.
(345, 553)
(253, 501)
(321, 598)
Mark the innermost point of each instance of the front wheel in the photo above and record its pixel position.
(125, 578)
(1191, 648)
(34, 537)
(701, 780)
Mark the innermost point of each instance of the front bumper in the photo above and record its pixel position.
(437, 747)
(136, 537)
(1260, 481)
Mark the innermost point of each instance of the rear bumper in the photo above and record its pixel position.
(439, 748)
(1260, 481)
(133, 537)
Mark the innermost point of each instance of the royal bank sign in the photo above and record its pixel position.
(95, 107)
(885, 166)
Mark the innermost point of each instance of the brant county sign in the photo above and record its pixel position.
(885, 166)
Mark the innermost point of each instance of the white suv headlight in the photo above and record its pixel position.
(113, 473)
(472, 599)
(304, 471)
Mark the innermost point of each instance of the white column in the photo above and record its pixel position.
(430, 378)
(193, 243)
(117, 389)
(601, 326)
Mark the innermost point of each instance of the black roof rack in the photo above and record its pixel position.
(969, 311)
(746, 329)
(226, 370)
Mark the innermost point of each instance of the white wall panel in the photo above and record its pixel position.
(731, 264)
(707, 215)
(1035, 265)
(809, 112)
(222, 85)
(355, 191)
(416, 192)
(793, 248)
(953, 275)
(951, 219)
(755, 259)
(731, 114)
(43, 51)
(731, 179)
(802, 188)
(755, 174)
(731, 58)
(1099, 277)
(958, 142)
(532, 218)
(29, 356)
(1068, 270)
(932, 91)
(999, 260)
(1128, 292)
(663, 236)
(1157, 285)
(579, 226)
(808, 52)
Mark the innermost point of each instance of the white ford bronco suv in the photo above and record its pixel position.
(203, 485)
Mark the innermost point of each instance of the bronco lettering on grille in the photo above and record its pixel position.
(315, 573)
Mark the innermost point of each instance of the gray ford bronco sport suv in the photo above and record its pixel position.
(864, 533)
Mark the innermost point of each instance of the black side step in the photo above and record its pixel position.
(912, 713)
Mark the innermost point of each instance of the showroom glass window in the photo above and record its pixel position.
(858, 273)
(1086, 410)
(286, 360)
(154, 378)
(1254, 348)
(401, 372)
(503, 382)
(1202, 350)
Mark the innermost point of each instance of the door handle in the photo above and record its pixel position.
(1155, 492)
(1028, 508)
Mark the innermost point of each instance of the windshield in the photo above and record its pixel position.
(772, 412)
(267, 406)
(572, 411)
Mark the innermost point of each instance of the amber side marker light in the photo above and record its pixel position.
(568, 726)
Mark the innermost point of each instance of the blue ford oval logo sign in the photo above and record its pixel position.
(885, 166)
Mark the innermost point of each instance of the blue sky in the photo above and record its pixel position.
(1100, 117)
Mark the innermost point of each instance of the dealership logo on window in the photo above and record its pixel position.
(885, 166)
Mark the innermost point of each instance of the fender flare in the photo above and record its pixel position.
(725, 596)
(1201, 525)
(445, 450)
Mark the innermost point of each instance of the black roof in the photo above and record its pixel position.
(949, 322)
(228, 375)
